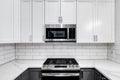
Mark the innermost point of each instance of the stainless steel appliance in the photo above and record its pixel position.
(60, 33)
(60, 69)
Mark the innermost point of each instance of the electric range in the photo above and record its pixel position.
(60, 64)
(60, 69)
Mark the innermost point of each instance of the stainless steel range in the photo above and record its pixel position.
(60, 69)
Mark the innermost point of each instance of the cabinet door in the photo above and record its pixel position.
(38, 20)
(52, 11)
(6, 21)
(97, 75)
(87, 74)
(25, 22)
(68, 11)
(84, 22)
(35, 74)
(19, 77)
(16, 24)
(104, 29)
(25, 75)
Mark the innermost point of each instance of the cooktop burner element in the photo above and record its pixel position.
(60, 61)
(60, 64)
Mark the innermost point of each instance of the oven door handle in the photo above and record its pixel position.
(60, 74)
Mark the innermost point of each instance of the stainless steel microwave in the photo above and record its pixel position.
(60, 33)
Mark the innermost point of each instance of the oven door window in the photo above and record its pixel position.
(56, 33)
(61, 78)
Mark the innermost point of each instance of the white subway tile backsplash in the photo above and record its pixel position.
(7, 53)
(61, 50)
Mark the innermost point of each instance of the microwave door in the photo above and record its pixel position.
(60, 34)
(50, 35)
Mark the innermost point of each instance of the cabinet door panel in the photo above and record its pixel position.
(38, 20)
(19, 77)
(35, 74)
(87, 74)
(68, 11)
(16, 24)
(84, 22)
(104, 28)
(6, 21)
(25, 22)
(25, 75)
(52, 11)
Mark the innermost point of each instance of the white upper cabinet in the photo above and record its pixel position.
(84, 22)
(104, 23)
(60, 11)
(25, 21)
(38, 20)
(52, 11)
(16, 25)
(6, 21)
(68, 11)
(95, 21)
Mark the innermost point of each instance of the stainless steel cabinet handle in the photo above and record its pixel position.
(95, 38)
(60, 19)
(30, 38)
(81, 74)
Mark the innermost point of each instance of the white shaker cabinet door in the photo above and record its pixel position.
(38, 20)
(68, 11)
(84, 22)
(52, 11)
(104, 26)
(6, 21)
(25, 20)
(16, 24)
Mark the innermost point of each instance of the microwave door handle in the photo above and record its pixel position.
(67, 33)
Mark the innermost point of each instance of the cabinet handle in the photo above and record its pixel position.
(96, 38)
(30, 38)
(60, 19)
(81, 74)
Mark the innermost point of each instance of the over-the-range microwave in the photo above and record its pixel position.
(60, 33)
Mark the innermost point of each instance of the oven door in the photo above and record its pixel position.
(60, 76)
(56, 34)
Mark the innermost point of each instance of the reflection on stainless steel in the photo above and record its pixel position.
(60, 33)
(60, 74)
(60, 69)
(60, 40)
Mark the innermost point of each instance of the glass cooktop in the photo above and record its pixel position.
(69, 61)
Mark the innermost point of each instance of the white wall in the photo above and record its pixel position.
(114, 49)
(78, 51)
(7, 53)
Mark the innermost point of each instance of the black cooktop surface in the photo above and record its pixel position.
(69, 61)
